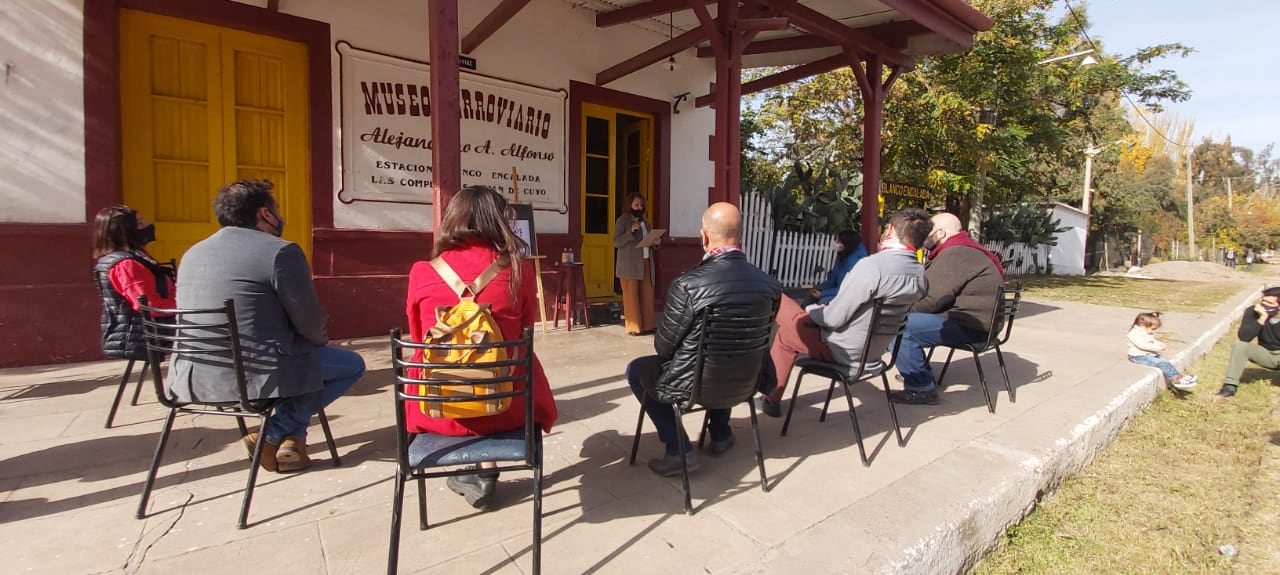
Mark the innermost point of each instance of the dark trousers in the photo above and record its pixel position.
(642, 375)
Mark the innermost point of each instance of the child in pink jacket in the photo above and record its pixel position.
(1144, 349)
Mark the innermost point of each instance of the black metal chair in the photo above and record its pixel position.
(172, 264)
(722, 340)
(1008, 299)
(882, 326)
(416, 453)
(211, 336)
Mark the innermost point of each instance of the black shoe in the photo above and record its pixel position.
(1227, 390)
(769, 407)
(669, 465)
(916, 397)
(721, 447)
(477, 489)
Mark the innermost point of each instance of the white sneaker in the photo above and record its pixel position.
(1184, 383)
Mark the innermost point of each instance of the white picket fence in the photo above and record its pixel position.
(794, 258)
(1020, 258)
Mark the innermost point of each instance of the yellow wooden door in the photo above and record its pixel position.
(616, 161)
(202, 106)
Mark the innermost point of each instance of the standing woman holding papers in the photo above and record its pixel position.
(634, 268)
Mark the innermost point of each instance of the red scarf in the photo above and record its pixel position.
(963, 239)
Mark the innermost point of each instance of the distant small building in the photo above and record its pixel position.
(1068, 257)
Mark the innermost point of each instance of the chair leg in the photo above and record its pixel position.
(244, 430)
(124, 382)
(755, 429)
(893, 410)
(857, 431)
(684, 463)
(393, 548)
(791, 406)
(137, 391)
(328, 438)
(1005, 371)
(702, 435)
(928, 358)
(945, 366)
(635, 443)
(982, 378)
(537, 508)
(422, 504)
(155, 464)
(253, 473)
(827, 404)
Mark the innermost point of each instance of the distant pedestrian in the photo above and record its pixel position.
(1248, 259)
(1231, 258)
(1145, 348)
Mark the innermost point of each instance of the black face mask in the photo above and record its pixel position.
(637, 213)
(1271, 311)
(279, 225)
(147, 235)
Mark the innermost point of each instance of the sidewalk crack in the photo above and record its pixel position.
(130, 567)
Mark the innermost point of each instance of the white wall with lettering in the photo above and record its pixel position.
(547, 44)
(42, 111)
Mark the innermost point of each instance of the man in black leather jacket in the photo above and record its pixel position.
(727, 281)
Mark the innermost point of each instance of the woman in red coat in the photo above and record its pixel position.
(473, 234)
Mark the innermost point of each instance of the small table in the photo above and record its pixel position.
(571, 295)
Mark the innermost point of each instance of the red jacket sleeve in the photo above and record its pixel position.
(416, 281)
(133, 280)
(529, 315)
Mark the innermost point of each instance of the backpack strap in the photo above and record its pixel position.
(460, 287)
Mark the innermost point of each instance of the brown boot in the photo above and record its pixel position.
(268, 458)
(292, 455)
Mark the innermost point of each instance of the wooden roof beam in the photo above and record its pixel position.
(652, 55)
(784, 77)
(496, 19)
(788, 44)
(936, 19)
(641, 11)
(822, 25)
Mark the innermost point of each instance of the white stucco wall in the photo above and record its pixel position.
(1068, 255)
(547, 44)
(42, 111)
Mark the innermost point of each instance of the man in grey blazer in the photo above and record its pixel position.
(282, 326)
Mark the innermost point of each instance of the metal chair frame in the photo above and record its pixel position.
(743, 338)
(177, 339)
(1008, 300)
(838, 375)
(128, 368)
(403, 394)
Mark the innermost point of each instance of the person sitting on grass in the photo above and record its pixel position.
(1259, 336)
(1145, 348)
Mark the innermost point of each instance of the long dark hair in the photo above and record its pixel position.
(479, 214)
(851, 241)
(115, 229)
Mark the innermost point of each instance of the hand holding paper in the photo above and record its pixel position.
(651, 239)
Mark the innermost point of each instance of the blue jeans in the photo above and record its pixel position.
(642, 374)
(340, 369)
(1157, 362)
(925, 330)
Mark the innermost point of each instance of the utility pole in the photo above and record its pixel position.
(1229, 196)
(1191, 212)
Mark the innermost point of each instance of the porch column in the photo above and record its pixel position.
(446, 131)
(873, 95)
(728, 93)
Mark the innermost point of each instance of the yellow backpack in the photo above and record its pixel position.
(466, 322)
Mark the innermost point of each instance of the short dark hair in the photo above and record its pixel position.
(912, 226)
(1271, 292)
(238, 203)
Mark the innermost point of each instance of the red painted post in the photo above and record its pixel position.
(728, 103)
(872, 118)
(446, 109)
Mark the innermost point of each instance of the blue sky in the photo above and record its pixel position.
(1233, 74)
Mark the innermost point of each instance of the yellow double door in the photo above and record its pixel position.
(617, 161)
(202, 106)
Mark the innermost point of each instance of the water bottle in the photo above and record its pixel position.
(572, 258)
(564, 256)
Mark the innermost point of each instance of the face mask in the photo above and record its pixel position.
(279, 225)
(1270, 310)
(930, 243)
(147, 235)
(637, 213)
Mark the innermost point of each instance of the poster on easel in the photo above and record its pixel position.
(522, 222)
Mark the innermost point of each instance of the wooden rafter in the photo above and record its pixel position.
(652, 56)
(935, 19)
(641, 11)
(822, 25)
(273, 5)
(496, 19)
(894, 34)
(784, 77)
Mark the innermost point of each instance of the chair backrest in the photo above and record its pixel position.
(884, 327)
(209, 336)
(731, 340)
(1008, 300)
(408, 382)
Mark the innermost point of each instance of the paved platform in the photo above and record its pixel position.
(69, 488)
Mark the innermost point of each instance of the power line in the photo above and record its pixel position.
(1137, 109)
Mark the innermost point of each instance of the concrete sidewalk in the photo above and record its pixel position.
(68, 488)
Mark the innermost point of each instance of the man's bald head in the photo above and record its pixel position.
(721, 225)
(947, 222)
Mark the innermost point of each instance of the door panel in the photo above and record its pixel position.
(202, 106)
(617, 161)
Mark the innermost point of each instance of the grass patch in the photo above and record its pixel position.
(1163, 295)
(1186, 476)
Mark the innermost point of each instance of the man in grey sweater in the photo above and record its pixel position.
(837, 331)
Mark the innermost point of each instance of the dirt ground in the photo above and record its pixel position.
(1189, 271)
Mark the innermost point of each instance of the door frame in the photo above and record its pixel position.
(580, 93)
(102, 114)
(616, 156)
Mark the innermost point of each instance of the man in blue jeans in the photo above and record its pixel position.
(281, 323)
(964, 279)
